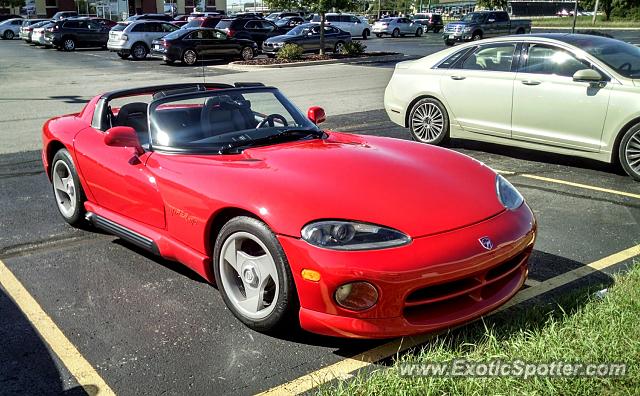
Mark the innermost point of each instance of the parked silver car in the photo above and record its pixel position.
(27, 28)
(135, 38)
(37, 36)
(10, 28)
(396, 27)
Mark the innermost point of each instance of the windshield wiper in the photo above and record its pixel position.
(236, 147)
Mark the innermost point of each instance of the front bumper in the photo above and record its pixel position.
(435, 282)
(456, 36)
(270, 49)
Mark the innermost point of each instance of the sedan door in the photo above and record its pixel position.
(478, 89)
(549, 107)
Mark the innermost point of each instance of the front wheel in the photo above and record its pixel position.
(67, 190)
(253, 275)
(429, 122)
(449, 43)
(365, 34)
(476, 36)
(629, 152)
(337, 49)
(68, 44)
(419, 32)
(8, 35)
(247, 54)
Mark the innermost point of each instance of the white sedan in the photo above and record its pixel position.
(563, 93)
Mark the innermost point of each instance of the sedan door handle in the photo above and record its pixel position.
(530, 82)
(458, 77)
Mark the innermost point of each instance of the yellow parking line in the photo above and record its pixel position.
(77, 365)
(578, 185)
(345, 367)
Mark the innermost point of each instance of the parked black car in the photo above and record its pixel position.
(430, 22)
(58, 16)
(307, 36)
(191, 45)
(152, 17)
(288, 23)
(254, 29)
(72, 33)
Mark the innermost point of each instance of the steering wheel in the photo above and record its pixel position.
(625, 65)
(270, 121)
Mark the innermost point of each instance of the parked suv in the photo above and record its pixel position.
(349, 23)
(71, 33)
(274, 16)
(254, 29)
(429, 21)
(64, 14)
(10, 28)
(135, 38)
(150, 17)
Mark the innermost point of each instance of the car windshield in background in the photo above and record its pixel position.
(622, 57)
(473, 17)
(224, 24)
(216, 121)
(300, 30)
(174, 35)
(193, 24)
(119, 27)
(386, 20)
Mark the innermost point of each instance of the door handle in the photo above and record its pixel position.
(530, 82)
(458, 78)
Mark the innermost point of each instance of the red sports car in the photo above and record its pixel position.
(354, 236)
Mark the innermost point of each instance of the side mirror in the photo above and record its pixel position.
(587, 75)
(316, 115)
(122, 136)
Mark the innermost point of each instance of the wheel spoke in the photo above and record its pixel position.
(253, 303)
(58, 183)
(266, 267)
(232, 256)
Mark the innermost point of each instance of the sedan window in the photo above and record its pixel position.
(491, 58)
(544, 59)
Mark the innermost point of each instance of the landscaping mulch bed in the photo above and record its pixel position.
(309, 58)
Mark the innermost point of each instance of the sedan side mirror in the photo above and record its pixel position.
(316, 115)
(123, 136)
(587, 75)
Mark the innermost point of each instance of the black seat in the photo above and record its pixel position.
(218, 117)
(134, 115)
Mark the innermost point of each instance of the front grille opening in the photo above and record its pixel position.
(505, 267)
(442, 290)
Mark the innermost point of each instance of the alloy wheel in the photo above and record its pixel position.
(190, 57)
(427, 122)
(64, 188)
(9, 35)
(139, 51)
(339, 47)
(249, 276)
(632, 152)
(247, 53)
(69, 45)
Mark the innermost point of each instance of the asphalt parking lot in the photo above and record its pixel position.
(149, 326)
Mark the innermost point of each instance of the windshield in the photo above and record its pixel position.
(194, 23)
(119, 27)
(215, 120)
(174, 35)
(623, 58)
(224, 24)
(300, 30)
(282, 22)
(473, 17)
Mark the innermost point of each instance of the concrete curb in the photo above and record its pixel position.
(583, 28)
(369, 59)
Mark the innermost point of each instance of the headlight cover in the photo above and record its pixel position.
(349, 235)
(507, 194)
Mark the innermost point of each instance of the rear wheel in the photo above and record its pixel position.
(189, 57)
(449, 43)
(629, 152)
(419, 32)
(67, 190)
(68, 44)
(9, 35)
(429, 122)
(139, 51)
(253, 275)
(395, 33)
(476, 36)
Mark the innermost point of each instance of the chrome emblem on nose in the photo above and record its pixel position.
(486, 243)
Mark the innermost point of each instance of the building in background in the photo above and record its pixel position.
(120, 9)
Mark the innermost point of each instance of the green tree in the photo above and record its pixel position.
(11, 3)
(493, 4)
(321, 7)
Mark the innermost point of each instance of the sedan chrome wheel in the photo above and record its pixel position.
(190, 57)
(629, 152)
(64, 189)
(339, 47)
(69, 45)
(247, 53)
(427, 122)
(249, 276)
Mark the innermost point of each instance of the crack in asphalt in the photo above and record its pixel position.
(44, 245)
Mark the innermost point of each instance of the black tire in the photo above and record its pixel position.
(123, 55)
(189, 57)
(365, 34)
(520, 31)
(449, 43)
(68, 44)
(286, 305)
(139, 51)
(247, 54)
(395, 33)
(443, 137)
(338, 47)
(378, 35)
(419, 32)
(8, 35)
(477, 35)
(76, 218)
(629, 152)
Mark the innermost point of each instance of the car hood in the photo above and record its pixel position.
(461, 23)
(281, 38)
(414, 188)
